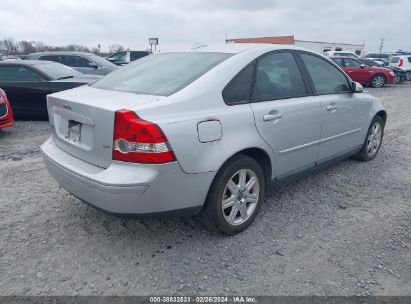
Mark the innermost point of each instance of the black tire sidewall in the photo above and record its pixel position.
(213, 205)
(364, 151)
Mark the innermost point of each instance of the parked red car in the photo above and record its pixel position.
(6, 114)
(375, 77)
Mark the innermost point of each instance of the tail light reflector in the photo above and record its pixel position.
(139, 141)
(401, 63)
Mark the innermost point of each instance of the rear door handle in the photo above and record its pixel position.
(269, 117)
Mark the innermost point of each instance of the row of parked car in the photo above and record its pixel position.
(28, 82)
(29, 79)
(374, 69)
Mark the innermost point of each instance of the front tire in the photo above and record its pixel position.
(373, 140)
(235, 196)
(378, 81)
(408, 76)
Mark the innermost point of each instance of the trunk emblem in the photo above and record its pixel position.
(67, 107)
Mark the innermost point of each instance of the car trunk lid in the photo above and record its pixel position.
(82, 120)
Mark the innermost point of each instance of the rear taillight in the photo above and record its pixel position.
(401, 63)
(139, 141)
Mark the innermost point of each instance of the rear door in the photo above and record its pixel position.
(287, 118)
(343, 115)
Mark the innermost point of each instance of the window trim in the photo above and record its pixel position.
(253, 63)
(314, 93)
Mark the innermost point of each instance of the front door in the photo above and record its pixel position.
(342, 115)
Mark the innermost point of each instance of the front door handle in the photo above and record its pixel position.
(273, 116)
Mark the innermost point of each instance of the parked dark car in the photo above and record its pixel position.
(400, 75)
(85, 63)
(122, 58)
(27, 82)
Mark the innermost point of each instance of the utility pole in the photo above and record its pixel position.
(381, 45)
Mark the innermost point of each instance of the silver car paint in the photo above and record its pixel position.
(296, 140)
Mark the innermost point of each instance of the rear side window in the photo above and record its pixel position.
(352, 63)
(278, 76)
(409, 59)
(338, 61)
(394, 59)
(327, 79)
(239, 89)
(18, 74)
(58, 59)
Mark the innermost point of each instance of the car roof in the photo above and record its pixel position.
(344, 57)
(235, 48)
(62, 53)
(25, 62)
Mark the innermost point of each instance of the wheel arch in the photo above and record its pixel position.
(383, 115)
(261, 157)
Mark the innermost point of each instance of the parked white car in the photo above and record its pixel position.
(403, 62)
(341, 53)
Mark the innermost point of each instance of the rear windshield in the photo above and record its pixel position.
(395, 59)
(161, 74)
(56, 70)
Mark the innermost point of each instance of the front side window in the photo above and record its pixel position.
(18, 74)
(352, 63)
(239, 89)
(409, 59)
(327, 79)
(77, 61)
(161, 74)
(277, 76)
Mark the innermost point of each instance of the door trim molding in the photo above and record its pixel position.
(323, 140)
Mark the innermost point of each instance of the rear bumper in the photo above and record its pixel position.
(129, 189)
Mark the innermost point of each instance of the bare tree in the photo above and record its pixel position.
(114, 48)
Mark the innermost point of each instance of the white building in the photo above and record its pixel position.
(317, 46)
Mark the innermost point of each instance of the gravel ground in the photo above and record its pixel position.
(342, 231)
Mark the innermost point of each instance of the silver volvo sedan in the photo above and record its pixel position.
(207, 131)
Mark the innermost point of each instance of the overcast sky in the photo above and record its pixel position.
(180, 23)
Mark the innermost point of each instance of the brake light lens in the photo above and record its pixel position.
(401, 63)
(139, 141)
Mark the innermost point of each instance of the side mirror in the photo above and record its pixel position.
(362, 66)
(357, 87)
(111, 59)
(93, 65)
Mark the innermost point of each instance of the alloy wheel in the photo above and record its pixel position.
(240, 196)
(374, 139)
(378, 81)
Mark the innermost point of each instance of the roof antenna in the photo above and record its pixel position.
(198, 45)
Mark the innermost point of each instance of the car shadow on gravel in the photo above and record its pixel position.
(102, 224)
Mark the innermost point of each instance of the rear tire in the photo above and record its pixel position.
(235, 196)
(409, 76)
(378, 81)
(373, 140)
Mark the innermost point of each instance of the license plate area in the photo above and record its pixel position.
(74, 131)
